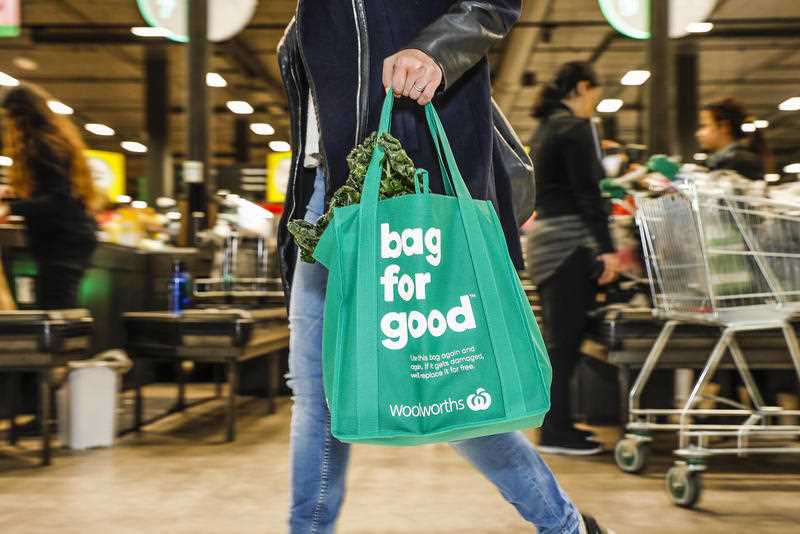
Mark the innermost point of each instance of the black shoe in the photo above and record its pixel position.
(590, 526)
(584, 434)
(568, 443)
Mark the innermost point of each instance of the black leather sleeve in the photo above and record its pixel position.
(464, 34)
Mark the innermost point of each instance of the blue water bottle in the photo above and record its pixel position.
(179, 288)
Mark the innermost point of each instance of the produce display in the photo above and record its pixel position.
(397, 178)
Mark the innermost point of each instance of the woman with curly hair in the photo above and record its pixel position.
(54, 192)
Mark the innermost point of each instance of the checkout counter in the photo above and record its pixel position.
(125, 291)
(119, 279)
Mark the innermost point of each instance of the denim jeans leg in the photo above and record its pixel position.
(512, 464)
(318, 460)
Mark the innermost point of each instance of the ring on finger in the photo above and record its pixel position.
(420, 91)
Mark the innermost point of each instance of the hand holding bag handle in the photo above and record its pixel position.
(367, 338)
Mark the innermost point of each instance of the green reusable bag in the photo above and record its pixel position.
(427, 335)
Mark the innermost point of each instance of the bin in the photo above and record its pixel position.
(87, 403)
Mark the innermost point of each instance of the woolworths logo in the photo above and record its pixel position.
(477, 402)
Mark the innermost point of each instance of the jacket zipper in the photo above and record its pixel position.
(362, 95)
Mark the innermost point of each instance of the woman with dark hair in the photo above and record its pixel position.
(51, 179)
(570, 251)
(732, 148)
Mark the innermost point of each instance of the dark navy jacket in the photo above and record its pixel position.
(336, 49)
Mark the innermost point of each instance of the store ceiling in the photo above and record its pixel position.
(759, 71)
(104, 81)
(87, 59)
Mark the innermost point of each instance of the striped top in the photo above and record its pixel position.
(553, 240)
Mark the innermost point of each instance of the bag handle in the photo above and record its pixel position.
(426, 183)
(373, 176)
(510, 380)
(367, 340)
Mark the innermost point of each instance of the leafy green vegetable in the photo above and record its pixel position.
(397, 178)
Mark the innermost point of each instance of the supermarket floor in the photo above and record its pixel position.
(178, 477)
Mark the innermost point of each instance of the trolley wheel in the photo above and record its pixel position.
(684, 485)
(631, 455)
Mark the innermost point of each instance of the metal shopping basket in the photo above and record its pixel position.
(726, 261)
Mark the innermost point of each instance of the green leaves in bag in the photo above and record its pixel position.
(397, 178)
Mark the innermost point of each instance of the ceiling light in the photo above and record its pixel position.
(25, 63)
(635, 77)
(149, 31)
(279, 146)
(748, 127)
(699, 27)
(8, 81)
(792, 168)
(790, 104)
(5, 161)
(700, 156)
(240, 107)
(59, 107)
(123, 199)
(772, 177)
(609, 105)
(139, 204)
(99, 129)
(165, 202)
(174, 216)
(262, 128)
(133, 146)
(214, 79)
(761, 123)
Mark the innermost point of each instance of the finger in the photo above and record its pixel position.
(422, 78)
(413, 72)
(399, 77)
(388, 71)
(418, 81)
(427, 94)
(414, 87)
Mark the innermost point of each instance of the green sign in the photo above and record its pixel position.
(628, 17)
(9, 18)
(169, 15)
(226, 18)
(632, 17)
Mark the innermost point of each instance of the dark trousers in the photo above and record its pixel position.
(566, 298)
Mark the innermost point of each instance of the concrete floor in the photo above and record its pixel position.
(178, 477)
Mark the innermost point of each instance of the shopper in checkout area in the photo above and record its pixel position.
(732, 148)
(747, 154)
(570, 250)
(337, 60)
(53, 189)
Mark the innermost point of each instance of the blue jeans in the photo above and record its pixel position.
(319, 461)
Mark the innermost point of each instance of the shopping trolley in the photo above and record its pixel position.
(726, 261)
